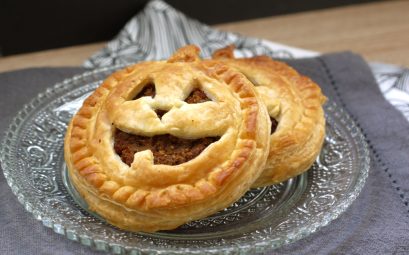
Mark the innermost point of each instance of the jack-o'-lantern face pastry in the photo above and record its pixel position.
(294, 103)
(162, 143)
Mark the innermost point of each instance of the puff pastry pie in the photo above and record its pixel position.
(162, 143)
(294, 103)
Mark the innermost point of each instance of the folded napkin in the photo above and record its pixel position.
(376, 223)
(157, 31)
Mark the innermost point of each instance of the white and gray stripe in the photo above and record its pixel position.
(157, 31)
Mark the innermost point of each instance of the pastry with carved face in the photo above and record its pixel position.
(162, 143)
(294, 103)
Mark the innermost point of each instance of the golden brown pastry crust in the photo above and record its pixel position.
(295, 101)
(148, 197)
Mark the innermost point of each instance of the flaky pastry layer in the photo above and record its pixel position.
(295, 101)
(149, 197)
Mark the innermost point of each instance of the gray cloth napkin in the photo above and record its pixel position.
(376, 223)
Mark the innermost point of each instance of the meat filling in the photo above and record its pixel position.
(166, 149)
(274, 124)
(148, 90)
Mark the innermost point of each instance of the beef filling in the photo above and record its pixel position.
(196, 96)
(147, 91)
(160, 113)
(274, 124)
(166, 149)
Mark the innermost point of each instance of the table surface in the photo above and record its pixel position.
(378, 31)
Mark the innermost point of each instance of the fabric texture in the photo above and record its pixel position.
(158, 30)
(20, 233)
(376, 223)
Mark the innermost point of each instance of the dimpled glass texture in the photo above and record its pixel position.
(263, 219)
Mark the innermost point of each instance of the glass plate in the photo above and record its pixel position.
(263, 219)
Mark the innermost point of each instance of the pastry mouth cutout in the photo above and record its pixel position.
(162, 143)
(166, 149)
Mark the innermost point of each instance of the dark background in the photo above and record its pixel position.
(27, 25)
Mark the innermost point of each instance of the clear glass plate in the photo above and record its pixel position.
(264, 219)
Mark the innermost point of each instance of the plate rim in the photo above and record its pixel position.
(252, 246)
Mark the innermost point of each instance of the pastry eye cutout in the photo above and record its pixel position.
(148, 89)
(274, 121)
(274, 124)
(197, 96)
